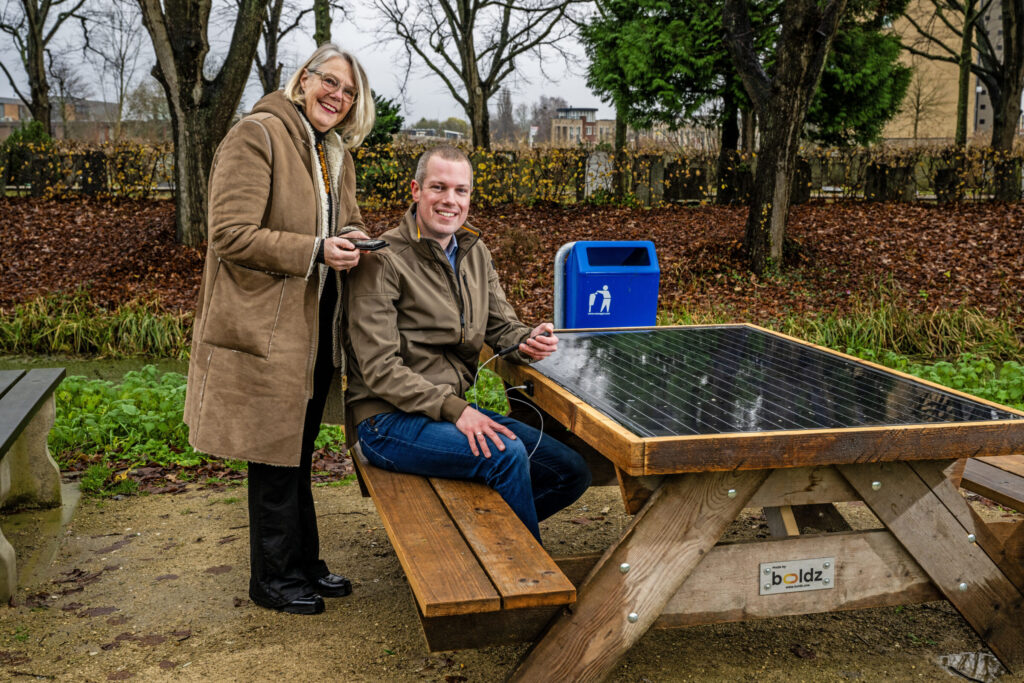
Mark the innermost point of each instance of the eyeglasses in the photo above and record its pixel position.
(332, 84)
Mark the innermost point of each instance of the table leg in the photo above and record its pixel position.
(669, 537)
(781, 521)
(934, 524)
(788, 520)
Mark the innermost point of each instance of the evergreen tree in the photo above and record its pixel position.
(387, 123)
(862, 87)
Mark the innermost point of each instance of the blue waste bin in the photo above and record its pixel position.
(611, 284)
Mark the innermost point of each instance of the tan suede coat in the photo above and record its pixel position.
(255, 333)
(415, 326)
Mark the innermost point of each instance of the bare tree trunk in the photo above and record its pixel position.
(619, 159)
(322, 16)
(1008, 109)
(30, 33)
(727, 157)
(964, 85)
(39, 86)
(201, 109)
(773, 184)
(268, 70)
(476, 101)
(782, 100)
(1004, 129)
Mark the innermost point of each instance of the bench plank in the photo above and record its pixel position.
(443, 573)
(1002, 486)
(8, 378)
(520, 568)
(1011, 463)
(20, 402)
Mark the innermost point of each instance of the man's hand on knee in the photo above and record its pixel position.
(478, 428)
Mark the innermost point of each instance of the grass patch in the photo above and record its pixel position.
(344, 481)
(102, 481)
(886, 325)
(72, 324)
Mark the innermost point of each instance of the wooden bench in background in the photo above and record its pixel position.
(1001, 478)
(29, 477)
(476, 573)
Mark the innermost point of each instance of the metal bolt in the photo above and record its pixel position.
(971, 538)
(827, 565)
(767, 571)
(826, 581)
(767, 586)
(731, 493)
(633, 617)
(623, 567)
(875, 485)
(962, 586)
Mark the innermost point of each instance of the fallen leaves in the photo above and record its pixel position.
(942, 255)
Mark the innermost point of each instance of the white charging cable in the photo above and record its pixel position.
(540, 415)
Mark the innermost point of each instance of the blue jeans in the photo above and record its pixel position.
(535, 487)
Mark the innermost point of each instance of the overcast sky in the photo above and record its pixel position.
(425, 96)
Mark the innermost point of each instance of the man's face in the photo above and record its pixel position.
(442, 203)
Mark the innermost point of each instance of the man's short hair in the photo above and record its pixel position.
(446, 152)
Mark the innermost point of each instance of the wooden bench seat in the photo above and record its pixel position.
(462, 548)
(1000, 478)
(28, 475)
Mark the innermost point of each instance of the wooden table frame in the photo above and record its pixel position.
(666, 569)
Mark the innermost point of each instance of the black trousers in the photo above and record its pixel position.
(284, 545)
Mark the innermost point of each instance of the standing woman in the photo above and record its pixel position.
(266, 338)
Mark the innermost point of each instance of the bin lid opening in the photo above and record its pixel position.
(618, 256)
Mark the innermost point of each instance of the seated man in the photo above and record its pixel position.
(419, 312)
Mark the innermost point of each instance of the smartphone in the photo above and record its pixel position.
(368, 245)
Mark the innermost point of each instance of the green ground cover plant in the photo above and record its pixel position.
(108, 429)
(976, 375)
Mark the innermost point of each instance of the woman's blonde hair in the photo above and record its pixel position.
(358, 123)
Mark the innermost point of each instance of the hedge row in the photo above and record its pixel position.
(128, 170)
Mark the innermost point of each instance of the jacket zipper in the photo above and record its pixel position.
(456, 290)
(469, 297)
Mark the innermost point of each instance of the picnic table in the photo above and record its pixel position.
(700, 422)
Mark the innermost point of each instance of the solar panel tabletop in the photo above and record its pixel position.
(686, 388)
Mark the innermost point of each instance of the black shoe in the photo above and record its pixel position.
(311, 603)
(332, 586)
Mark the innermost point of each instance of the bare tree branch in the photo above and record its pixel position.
(473, 45)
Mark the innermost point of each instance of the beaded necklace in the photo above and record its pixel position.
(322, 153)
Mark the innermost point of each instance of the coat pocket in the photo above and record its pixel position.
(244, 308)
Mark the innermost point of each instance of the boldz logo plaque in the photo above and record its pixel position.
(797, 575)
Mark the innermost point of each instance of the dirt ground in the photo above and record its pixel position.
(155, 588)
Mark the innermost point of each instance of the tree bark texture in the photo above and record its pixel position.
(201, 109)
(268, 69)
(322, 17)
(1007, 111)
(727, 156)
(781, 101)
(619, 161)
(964, 85)
(30, 35)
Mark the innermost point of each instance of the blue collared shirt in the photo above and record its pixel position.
(453, 247)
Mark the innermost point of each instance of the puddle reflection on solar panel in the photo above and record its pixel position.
(714, 380)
